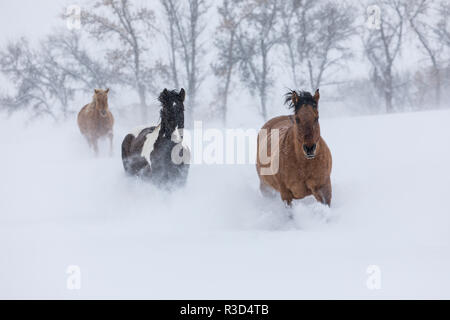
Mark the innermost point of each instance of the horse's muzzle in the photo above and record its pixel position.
(310, 151)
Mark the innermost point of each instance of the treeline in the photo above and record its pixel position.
(248, 42)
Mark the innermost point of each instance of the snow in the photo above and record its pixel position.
(218, 238)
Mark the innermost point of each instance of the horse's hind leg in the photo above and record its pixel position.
(111, 137)
(133, 163)
(126, 146)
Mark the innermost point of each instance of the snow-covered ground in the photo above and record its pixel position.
(217, 238)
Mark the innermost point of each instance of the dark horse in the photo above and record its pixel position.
(157, 153)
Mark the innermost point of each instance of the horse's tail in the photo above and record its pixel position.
(126, 146)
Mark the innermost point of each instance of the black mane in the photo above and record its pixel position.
(304, 97)
(167, 96)
(170, 117)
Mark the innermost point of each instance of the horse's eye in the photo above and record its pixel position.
(316, 120)
(297, 120)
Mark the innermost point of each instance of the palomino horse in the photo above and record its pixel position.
(156, 152)
(96, 121)
(298, 163)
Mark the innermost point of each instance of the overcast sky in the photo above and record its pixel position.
(29, 18)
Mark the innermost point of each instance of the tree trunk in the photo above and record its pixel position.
(432, 55)
(388, 90)
(388, 97)
(191, 101)
(292, 63)
(173, 57)
(193, 68)
(225, 97)
(388, 101)
(263, 84)
(437, 75)
(143, 103)
(228, 79)
(263, 105)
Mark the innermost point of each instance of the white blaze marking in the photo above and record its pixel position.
(177, 135)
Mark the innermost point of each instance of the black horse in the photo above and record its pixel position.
(157, 153)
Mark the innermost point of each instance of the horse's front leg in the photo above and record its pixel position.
(111, 137)
(323, 193)
(94, 144)
(286, 195)
(88, 140)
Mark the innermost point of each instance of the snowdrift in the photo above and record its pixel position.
(218, 238)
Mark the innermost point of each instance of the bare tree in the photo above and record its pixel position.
(333, 24)
(231, 12)
(256, 38)
(171, 12)
(82, 68)
(442, 30)
(314, 35)
(55, 79)
(296, 34)
(132, 27)
(418, 17)
(39, 82)
(187, 21)
(382, 46)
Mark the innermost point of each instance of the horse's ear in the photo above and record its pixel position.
(294, 98)
(182, 94)
(96, 91)
(165, 91)
(316, 96)
(107, 90)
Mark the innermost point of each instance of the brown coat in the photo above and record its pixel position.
(296, 176)
(96, 121)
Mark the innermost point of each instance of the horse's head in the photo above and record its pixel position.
(172, 112)
(306, 124)
(101, 101)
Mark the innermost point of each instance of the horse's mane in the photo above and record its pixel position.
(165, 96)
(166, 116)
(304, 97)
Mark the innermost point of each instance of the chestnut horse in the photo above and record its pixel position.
(292, 157)
(96, 121)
